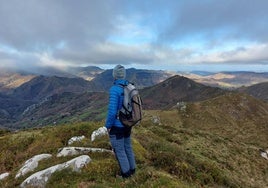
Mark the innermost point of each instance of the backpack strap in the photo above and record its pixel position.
(122, 94)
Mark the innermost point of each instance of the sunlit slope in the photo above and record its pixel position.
(213, 143)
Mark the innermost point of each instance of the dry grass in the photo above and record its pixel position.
(205, 146)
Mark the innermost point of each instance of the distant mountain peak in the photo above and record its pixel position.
(44, 86)
(175, 89)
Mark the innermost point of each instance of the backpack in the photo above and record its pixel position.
(131, 112)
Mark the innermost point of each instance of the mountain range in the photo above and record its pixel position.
(228, 80)
(41, 100)
(10, 79)
(192, 134)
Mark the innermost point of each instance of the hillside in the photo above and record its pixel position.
(259, 91)
(176, 89)
(42, 86)
(44, 100)
(11, 107)
(10, 80)
(228, 79)
(32, 103)
(213, 143)
(63, 108)
(53, 96)
(35, 93)
(87, 73)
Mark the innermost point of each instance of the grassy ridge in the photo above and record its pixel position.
(180, 150)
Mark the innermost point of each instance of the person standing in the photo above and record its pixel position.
(120, 136)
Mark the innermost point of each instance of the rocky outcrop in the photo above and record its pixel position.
(39, 179)
(4, 175)
(156, 120)
(76, 139)
(182, 106)
(102, 131)
(69, 151)
(31, 164)
(264, 153)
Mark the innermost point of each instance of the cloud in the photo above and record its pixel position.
(43, 24)
(229, 20)
(107, 53)
(148, 33)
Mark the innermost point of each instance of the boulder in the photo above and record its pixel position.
(156, 120)
(69, 151)
(31, 164)
(264, 153)
(182, 106)
(39, 179)
(4, 175)
(102, 131)
(76, 139)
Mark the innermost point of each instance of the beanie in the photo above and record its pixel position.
(119, 72)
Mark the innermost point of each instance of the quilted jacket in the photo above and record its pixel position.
(116, 97)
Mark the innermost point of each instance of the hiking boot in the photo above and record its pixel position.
(132, 171)
(126, 175)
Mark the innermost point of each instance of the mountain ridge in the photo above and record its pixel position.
(177, 89)
(259, 90)
(42, 86)
(210, 143)
(156, 94)
(42, 91)
(228, 79)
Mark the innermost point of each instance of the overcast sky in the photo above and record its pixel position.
(176, 35)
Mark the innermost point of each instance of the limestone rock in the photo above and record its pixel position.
(4, 175)
(182, 106)
(98, 133)
(69, 151)
(31, 164)
(156, 120)
(75, 139)
(264, 153)
(39, 179)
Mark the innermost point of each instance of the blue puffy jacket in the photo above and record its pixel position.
(116, 97)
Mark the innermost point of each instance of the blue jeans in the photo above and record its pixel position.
(121, 142)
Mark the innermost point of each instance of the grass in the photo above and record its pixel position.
(176, 152)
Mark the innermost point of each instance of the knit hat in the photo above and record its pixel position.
(119, 72)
